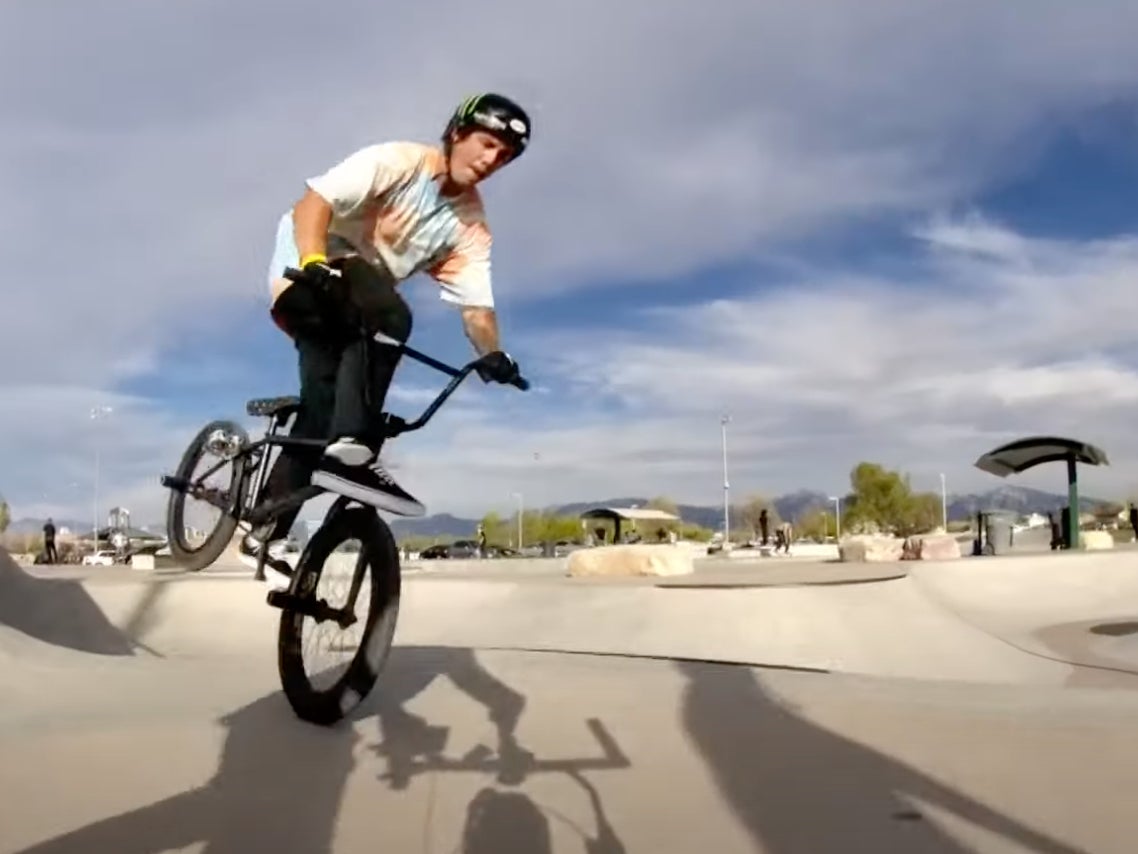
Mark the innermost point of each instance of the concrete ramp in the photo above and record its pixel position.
(56, 612)
(928, 714)
(1076, 608)
(993, 620)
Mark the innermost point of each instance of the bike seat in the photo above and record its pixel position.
(270, 406)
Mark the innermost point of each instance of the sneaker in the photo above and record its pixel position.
(349, 451)
(369, 484)
(278, 572)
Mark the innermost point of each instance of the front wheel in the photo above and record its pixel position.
(195, 549)
(367, 575)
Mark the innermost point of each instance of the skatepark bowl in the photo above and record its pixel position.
(982, 704)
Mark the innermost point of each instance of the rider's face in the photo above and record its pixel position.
(476, 156)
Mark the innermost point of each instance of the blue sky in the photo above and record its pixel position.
(894, 231)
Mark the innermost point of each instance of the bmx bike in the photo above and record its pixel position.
(346, 520)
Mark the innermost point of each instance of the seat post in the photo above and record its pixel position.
(262, 465)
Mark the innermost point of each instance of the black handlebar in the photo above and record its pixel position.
(398, 425)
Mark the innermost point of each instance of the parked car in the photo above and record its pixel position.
(103, 557)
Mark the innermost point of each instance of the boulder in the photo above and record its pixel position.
(932, 547)
(631, 560)
(1096, 540)
(871, 549)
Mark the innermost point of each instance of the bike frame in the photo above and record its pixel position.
(243, 503)
(394, 425)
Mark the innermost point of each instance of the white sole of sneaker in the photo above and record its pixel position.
(349, 453)
(276, 580)
(340, 486)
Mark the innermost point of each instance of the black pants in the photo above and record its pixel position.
(344, 372)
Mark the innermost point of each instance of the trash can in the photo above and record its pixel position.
(998, 529)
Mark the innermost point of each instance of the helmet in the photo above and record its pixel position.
(496, 114)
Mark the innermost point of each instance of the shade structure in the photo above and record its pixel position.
(616, 515)
(1023, 454)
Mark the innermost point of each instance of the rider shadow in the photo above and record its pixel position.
(264, 797)
(799, 788)
(498, 821)
(277, 787)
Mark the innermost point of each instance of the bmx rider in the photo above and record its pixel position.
(382, 214)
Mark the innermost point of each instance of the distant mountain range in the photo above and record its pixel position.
(790, 506)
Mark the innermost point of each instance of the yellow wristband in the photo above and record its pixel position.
(312, 256)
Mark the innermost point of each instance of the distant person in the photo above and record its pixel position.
(49, 553)
(782, 538)
(764, 526)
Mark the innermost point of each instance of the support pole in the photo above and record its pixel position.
(1072, 502)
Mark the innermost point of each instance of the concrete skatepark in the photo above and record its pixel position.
(984, 704)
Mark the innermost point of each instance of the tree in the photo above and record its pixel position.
(696, 532)
(752, 507)
(497, 529)
(921, 515)
(5, 516)
(882, 500)
(815, 525)
(665, 504)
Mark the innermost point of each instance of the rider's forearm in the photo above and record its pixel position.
(311, 218)
(481, 327)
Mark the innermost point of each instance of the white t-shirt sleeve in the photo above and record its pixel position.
(358, 178)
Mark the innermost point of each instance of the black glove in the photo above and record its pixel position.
(498, 367)
(321, 274)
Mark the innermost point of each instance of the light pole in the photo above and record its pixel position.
(837, 499)
(943, 503)
(726, 486)
(518, 496)
(97, 412)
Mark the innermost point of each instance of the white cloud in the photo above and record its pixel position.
(143, 181)
(923, 373)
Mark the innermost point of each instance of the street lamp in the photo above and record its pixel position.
(943, 503)
(518, 496)
(837, 499)
(97, 412)
(726, 486)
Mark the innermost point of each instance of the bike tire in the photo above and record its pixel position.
(196, 559)
(328, 707)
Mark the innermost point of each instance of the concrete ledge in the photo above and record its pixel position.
(631, 560)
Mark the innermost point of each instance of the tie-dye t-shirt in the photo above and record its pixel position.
(387, 206)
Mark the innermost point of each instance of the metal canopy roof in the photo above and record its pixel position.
(637, 513)
(1022, 454)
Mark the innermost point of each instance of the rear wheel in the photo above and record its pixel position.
(194, 543)
(326, 694)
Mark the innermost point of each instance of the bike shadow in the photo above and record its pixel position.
(799, 788)
(279, 782)
(497, 820)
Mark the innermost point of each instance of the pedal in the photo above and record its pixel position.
(178, 483)
(393, 425)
